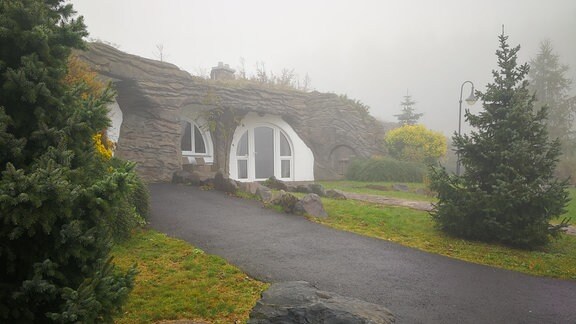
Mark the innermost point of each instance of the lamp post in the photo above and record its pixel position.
(470, 100)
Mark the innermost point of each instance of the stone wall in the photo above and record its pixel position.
(153, 95)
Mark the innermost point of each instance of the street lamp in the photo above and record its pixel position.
(470, 100)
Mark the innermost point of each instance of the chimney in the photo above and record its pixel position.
(222, 72)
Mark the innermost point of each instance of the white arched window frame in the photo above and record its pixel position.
(245, 152)
(195, 140)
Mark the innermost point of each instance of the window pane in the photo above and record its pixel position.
(264, 156)
(242, 169)
(186, 136)
(285, 169)
(284, 146)
(242, 149)
(199, 141)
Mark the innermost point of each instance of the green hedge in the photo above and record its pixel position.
(385, 169)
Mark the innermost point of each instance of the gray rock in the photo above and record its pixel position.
(311, 204)
(317, 189)
(300, 302)
(400, 187)
(286, 200)
(302, 189)
(194, 178)
(223, 183)
(250, 187)
(265, 194)
(180, 176)
(335, 194)
(274, 183)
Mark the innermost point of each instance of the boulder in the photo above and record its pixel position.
(180, 176)
(223, 183)
(250, 187)
(317, 189)
(300, 302)
(302, 189)
(265, 194)
(335, 194)
(274, 183)
(400, 187)
(287, 201)
(311, 204)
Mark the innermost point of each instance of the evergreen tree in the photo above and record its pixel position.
(408, 116)
(58, 197)
(507, 193)
(551, 86)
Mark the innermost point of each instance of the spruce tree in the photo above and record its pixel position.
(507, 193)
(551, 86)
(58, 198)
(408, 116)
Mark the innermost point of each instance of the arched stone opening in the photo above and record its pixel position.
(340, 158)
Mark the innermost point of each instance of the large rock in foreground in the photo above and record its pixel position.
(300, 302)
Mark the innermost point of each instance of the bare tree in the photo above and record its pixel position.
(306, 83)
(286, 78)
(242, 69)
(159, 53)
(261, 75)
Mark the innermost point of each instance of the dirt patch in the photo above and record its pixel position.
(418, 205)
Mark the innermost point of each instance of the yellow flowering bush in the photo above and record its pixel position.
(415, 143)
(103, 145)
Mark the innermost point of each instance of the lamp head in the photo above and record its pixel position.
(472, 98)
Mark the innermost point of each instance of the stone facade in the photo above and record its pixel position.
(154, 96)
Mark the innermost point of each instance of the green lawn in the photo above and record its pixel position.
(178, 281)
(416, 229)
(364, 188)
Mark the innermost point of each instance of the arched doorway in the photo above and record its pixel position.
(265, 146)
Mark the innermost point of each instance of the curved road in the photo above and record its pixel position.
(417, 287)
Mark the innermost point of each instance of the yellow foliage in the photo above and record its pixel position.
(103, 145)
(80, 73)
(415, 143)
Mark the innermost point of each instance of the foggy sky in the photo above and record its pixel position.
(373, 51)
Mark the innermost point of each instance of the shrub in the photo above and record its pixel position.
(415, 143)
(385, 169)
(59, 198)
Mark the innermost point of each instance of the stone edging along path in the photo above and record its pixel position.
(418, 205)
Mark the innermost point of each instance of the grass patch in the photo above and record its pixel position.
(362, 187)
(416, 229)
(178, 281)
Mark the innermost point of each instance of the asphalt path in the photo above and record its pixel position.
(417, 287)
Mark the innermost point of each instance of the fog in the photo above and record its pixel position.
(373, 51)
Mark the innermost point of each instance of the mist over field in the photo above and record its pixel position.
(372, 51)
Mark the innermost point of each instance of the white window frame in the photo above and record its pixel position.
(205, 137)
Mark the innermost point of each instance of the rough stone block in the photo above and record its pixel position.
(311, 204)
(335, 194)
(300, 302)
(400, 187)
(317, 189)
(265, 194)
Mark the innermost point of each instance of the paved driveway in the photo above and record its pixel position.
(417, 287)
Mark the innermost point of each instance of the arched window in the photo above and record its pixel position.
(194, 140)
